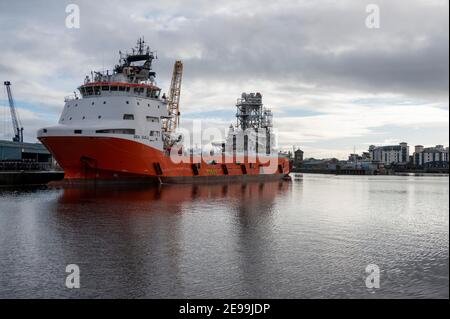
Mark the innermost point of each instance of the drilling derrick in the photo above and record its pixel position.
(17, 126)
(252, 117)
(174, 99)
(251, 113)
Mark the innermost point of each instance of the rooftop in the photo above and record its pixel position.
(26, 147)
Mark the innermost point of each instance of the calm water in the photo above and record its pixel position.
(310, 238)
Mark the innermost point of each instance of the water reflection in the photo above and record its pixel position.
(151, 240)
(312, 237)
(171, 193)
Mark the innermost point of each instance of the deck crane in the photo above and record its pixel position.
(17, 126)
(173, 121)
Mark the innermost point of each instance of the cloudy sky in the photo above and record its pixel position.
(333, 83)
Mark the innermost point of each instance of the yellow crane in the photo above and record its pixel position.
(173, 103)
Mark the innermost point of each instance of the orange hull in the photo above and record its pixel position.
(108, 158)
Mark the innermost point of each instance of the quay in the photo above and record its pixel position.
(22, 178)
(24, 163)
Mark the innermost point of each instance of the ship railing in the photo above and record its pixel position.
(26, 165)
(124, 93)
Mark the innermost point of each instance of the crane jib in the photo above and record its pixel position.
(18, 129)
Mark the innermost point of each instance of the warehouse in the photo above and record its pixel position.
(23, 152)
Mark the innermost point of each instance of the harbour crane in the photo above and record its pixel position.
(173, 102)
(17, 126)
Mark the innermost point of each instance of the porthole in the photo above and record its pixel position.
(104, 102)
(70, 119)
(92, 103)
(138, 103)
(99, 116)
(84, 117)
(128, 102)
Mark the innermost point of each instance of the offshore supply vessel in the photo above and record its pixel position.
(120, 128)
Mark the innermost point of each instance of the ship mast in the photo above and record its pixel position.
(137, 65)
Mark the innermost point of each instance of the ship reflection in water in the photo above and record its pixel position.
(306, 239)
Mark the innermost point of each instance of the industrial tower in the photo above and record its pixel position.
(251, 113)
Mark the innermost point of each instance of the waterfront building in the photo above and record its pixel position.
(391, 154)
(298, 157)
(312, 164)
(24, 156)
(431, 157)
(364, 157)
(354, 158)
(17, 151)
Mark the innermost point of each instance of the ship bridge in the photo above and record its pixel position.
(144, 90)
(132, 76)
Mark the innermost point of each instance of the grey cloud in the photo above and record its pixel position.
(324, 42)
(287, 49)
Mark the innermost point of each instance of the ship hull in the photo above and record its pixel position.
(111, 159)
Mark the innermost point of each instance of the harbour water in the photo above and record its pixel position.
(309, 238)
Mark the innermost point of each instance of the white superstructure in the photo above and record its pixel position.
(124, 104)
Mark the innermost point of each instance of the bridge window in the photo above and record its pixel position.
(128, 117)
(121, 88)
(117, 131)
(89, 90)
(113, 88)
(137, 90)
(105, 88)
